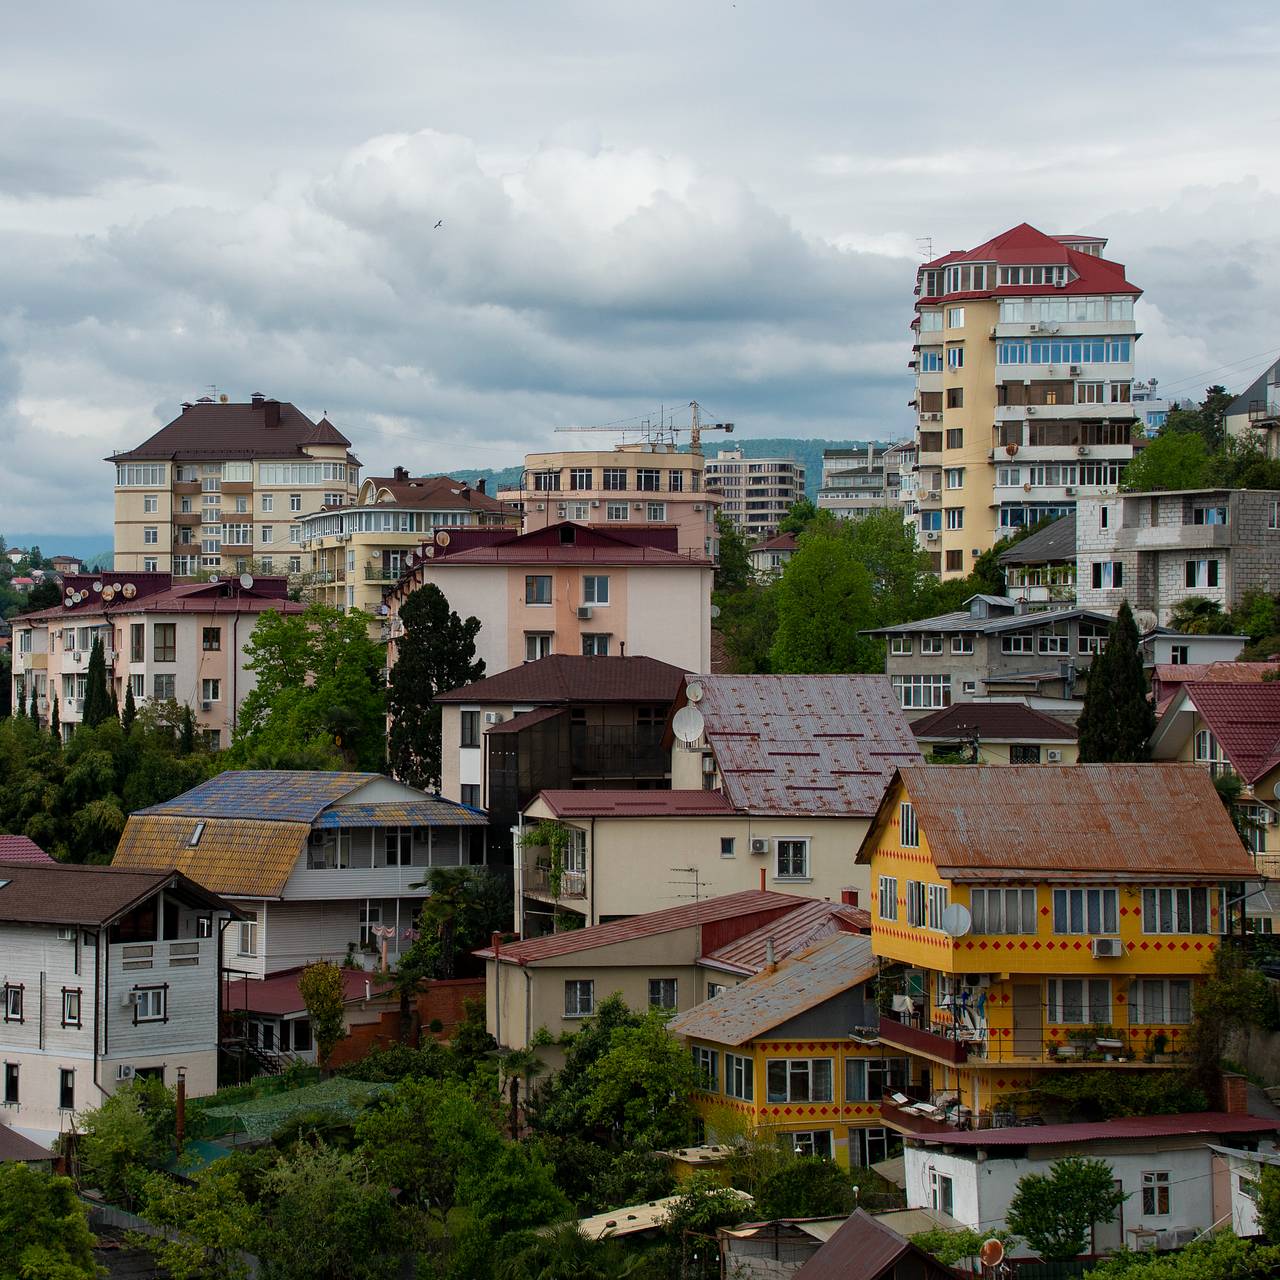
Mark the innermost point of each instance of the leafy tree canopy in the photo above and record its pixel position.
(799, 517)
(1223, 1256)
(1054, 1212)
(44, 1230)
(1173, 460)
(733, 569)
(321, 988)
(806, 1188)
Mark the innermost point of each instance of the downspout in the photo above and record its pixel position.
(528, 1003)
(495, 941)
(98, 1010)
(593, 870)
(235, 671)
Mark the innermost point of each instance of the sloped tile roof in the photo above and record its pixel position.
(430, 811)
(1055, 542)
(636, 804)
(69, 893)
(562, 678)
(813, 746)
(994, 721)
(793, 932)
(22, 849)
(1090, 821)
(13, 1146)
(276, 795)
(436, 493)
(220, 431)
(278, 994)
(759, 1004)
(1246, 721)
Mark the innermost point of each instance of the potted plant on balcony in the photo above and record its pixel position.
(554, 837)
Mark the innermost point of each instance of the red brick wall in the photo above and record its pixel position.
(440, 1001)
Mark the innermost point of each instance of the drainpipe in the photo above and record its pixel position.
(495, 941)
(593, 872)
(528, 1003)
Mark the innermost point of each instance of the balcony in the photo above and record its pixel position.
(618, 751)
(1263, 415)
(389, 574)
(926, 1043)
(908, 1114)
(537, 883)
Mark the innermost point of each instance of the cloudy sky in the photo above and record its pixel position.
(642, 203)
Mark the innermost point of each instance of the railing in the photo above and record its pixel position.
(573, 884)
(1260, 411)
(382, 573)
(915, 1039)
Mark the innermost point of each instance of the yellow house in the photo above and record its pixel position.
(793, 1052)
(1031, 918)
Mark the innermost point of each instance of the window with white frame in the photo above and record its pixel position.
(900, 645)
(151, 534)
(793, 859)
(1054, 640)
(595, 589)
(811, 1143)
(961, 644)
(537, 644)
(1201, 573)
(1003, 910)
(616, 511)
(595, 645)
(937, 904)
(1208, 751)
(268, 533)
(662, 993)
(211, 690)
(1209, 515)
(739, 1077)
(1023, 643)
(908, 826)
(1085, 910)
(1157, 1002)
(888, 897)
(579, 998)
(268, 501)
(869, 1146)
(799, 1079)
(370, 916)
(1181, 910)
(151, 1004)
(150, 504)
(931, 644)
(247, 939)
(915, 903)
(941, 1192)
(295, 502)
(954, 477)
(922, 692)
(955, 517)
(13, 1011)
(955, 317)
(1155, 1193)
(1079, 1001)
(70, 1006)
(707, 1064)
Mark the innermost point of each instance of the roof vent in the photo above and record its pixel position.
(257, 397)
(400, 474)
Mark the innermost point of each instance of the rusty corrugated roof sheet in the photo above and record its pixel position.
(869, 1250)
(636, 804)
(1098, 821)
(798, 929)
(427, 812)
(811, 746)
(763, 1002)
(1123, 1129)
(287, 795)
(240, 857)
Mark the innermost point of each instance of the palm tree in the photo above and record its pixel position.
(447, 911)
(564, 1253)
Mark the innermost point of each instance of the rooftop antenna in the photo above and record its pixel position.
(696, 895)
(924, 246)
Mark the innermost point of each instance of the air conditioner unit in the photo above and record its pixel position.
(1082, 451)
(561, 508)
(993, 331)
(1107, 948)
(584, 612)
(542, 506)
(66, 934)
(932, 536)
(125, 1071)
(1070, 491)
(77, 657)
(1053, 757)
(759, 844)
(493, 717)
(1059, 284)
(595, 502)
(637, 506)
(1031, 411)
(934, 495)
(1075, 370)
(697, 506)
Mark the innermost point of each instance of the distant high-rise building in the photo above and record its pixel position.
(1024, 359)
(757, 492)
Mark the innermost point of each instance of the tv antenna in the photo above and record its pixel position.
(665, 430)
(697, 885)
(924, 246)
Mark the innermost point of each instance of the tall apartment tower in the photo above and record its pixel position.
(757, 492)
(224, 484)
(1024, 357)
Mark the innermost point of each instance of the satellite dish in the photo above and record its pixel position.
(715, 610)
(693, 691)
(956, 920)
(129, 590)
(246, 581)
(429, 552)
(1275, 791)
(1145, 619)
(97, 586)
(108, 592)
(443, 538)
(687, 724)
(992, 1253)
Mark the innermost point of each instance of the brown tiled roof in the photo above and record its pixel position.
(22, 849)
(324, 432)
(994, 721)
(209, 432)
(1246, 722)
(437, 493)
(1090, 821)
(637, 804)
(779, 542)
(750, 902)
(817, 746)
(869, 1250)
(157, 593)
(807, 924)
(807, 979)
(721, 661)
(562, 543)
(562, 678)
(67, 893)
(14, 1147)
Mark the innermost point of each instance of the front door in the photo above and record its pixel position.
(1028, 1029)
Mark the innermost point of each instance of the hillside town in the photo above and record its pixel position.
(724, 851)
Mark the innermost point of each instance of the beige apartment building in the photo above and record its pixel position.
(648, 483)
(224, 487)
(757, 493)
(165, 640)
(352, 554)
(1024, 360)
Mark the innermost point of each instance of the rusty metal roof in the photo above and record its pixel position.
(1123, 1129)
(1099, 821)
(869, 1250)
(798, 929)
(636, 804)
(430, 811)
(811, 746)
(284, 795)
(241, 857)
(754, 1007)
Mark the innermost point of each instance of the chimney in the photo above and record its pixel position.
(271, 414)
(770, 956)
(257, 398)
(1235, 1094)
(400, 473)
(849, 897)
(480, 485)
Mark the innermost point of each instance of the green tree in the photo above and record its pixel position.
(1207, 421)
(117, 1141)
(1233, 996)
(44, 1229)
(46, 594)
(1055, 1212)
(1269, 1202)
(806, 1188)
(460, 914)
(55, 725)
(565, 1253)
(1199, 616)
(211, 1222)
(1174, 460)
(691, 1223)
(130, 713)
(733, 565)
(97, 701)
(187, 732)
(1221, 1256)
(748, 622)
(951, 1248)
(21, 710)
(436, 653)
(800, 515)
(321, 988)
(319, 689)
(35, 708)
(1117, 718)
(902, 581)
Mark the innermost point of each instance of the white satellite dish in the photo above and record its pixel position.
(687, 724)
(97, 586)
(443, 538)
(130, 590)
(246, 581)
(715, 610)
(956, 920)
(693, 691)
(429, 552)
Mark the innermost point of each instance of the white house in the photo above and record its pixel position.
(107, 975)
(1244, 1169)
(1162, 1163)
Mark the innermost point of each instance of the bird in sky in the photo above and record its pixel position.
(438, 225)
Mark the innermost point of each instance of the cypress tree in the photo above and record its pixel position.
(1117, 718)
(35, 709)
(97, 703)
(55, 726)
(187, 734)
(115, 701)
(130, 713)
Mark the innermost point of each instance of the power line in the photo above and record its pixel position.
(1206, 373)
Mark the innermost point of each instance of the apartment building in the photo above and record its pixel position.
(350, 555)
(105, 976)
(857, 482)
(1158, 549)
(224, 484)
(165, 640)
(1255, 413)
(648, 483)
(1024, 357)
(757, 493)
(1151, 407)
(1048, 959)
(569, 588)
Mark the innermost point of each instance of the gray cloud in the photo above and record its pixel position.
(44, 153)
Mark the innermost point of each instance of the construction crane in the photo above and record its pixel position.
(666, 431)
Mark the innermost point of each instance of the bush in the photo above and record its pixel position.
(807, 1188)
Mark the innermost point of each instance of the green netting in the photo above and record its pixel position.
(261, 1117)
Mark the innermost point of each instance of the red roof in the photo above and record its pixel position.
(278, 994)
(754, 906)
(563, 678)
(779, 542)
(157, 593)
(1124, 1129)
(790, 933)
(637, 804)
(1246, 721)
(20, 849)
(994, 721)
(436, 493)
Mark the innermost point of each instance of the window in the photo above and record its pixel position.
(138, 683)
(332, 500)
(937, 904)
(579, 998)
(955, 397)
(908, 826)
(1155, 1194)
(164, 687)
(739, 1077)
(1107, 574)
(915, 903)
(370, 917)
(930, 321)
(1054, 641)
(150, 535)
(616, 511)
(66, 1090)
(211, 639)
(955, 517)
(268, 502)
(870, 1145)
(295, 502)
(70, 1006)
(1016, 644)
(580, 478)
(656, 512)
(793, 859)
(137, 641)
(961, 644)
(237, 534)
(955, 439)
(615, 478)
(1022, 753)
(1201, 573)
(1092, 637)
(930, 360)
(954, 477)
(537, 644)
(1209, 751)
(1003, 910)
(595, 645)
(1181, 910)
(662, 993)
(212, 739)
(1209, 515)
(136, 475)
(923, 692)
(815, 1142)
(707, 1064)
(295, 562)
(268, 533)
(11, 1083)
(151, 1004)
(1273, 520)
(955, 561)
(537, 588)
(900, 645)
(397, 843)
(150, 564)
(150, 503)
(247, 942)
(955, 317)
(1155, 1002)
(727, 846)
(210, 690)
(164, 641)
(471, 794)
(1179, 654)
(1104, 517)
(648, 479)
(799, 1080)
(470, 729)
(1079, 1001)
(955, 357)
(595, 589)
(546, 481)
(13, 1002)
(1085, 910)
(930, 644)
(941, 1192)
(888, 897)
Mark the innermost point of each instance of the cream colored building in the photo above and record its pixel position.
(224, 487)
(1024, 359)
(757, 493)
(638, 484)
(352, 554)
(184, 642)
